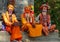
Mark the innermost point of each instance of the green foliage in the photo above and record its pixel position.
(54, 10)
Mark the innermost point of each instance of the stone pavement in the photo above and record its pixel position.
(4, 36)
(53, 37)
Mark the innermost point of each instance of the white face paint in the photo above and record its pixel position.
(10, 11)
(44, 11)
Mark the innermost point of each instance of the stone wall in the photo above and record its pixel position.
(19, 6)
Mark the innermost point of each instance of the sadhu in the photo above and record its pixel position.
(33, 29)
(12, 24)
(45, 19)
(28, 14)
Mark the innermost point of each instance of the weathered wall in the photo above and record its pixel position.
(19, 6)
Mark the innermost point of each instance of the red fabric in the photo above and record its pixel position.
(8, 29)
(32, 12)
(15, 33)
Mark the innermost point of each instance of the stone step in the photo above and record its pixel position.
(4, 36)
(51, 37)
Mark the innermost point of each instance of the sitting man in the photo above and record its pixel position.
(28, 15)
(45, 19)
(33, 29)
(12, 25)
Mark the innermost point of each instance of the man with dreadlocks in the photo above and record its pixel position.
(12, 25)
(33, 29)
(28, 14)
(45, 19)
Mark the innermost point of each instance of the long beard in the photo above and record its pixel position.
(44, 13)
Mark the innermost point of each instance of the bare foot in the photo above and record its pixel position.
(56, 30)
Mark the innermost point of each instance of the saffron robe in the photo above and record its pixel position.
(13, 30)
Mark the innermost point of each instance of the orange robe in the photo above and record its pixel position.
(14, 30)
(33, 32)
